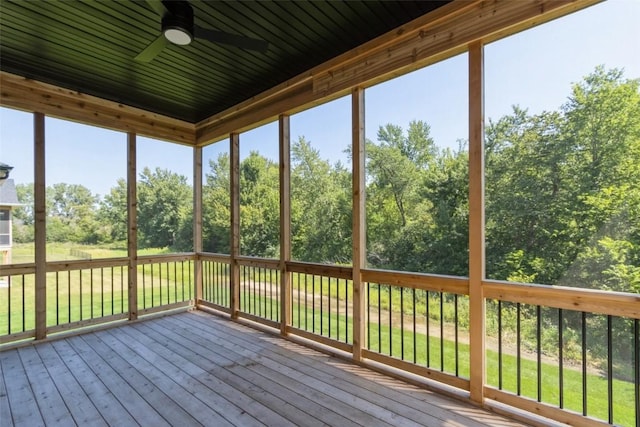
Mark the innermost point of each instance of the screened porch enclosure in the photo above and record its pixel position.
(474, 349)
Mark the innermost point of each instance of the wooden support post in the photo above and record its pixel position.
(132, 226)
(359, 221)
(40, 226)
(285, 222)
(476, 223)
(197, 222)
(234, 150)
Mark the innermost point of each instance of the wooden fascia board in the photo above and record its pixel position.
(483, 21)
(31, 95)
(435, 36)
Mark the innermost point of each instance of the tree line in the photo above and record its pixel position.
(561, 190)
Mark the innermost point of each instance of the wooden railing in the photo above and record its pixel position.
(414, 323)
(85, 293)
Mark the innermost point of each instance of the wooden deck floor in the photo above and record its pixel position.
(197, 369)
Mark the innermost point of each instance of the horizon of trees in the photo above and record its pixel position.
(562, 198)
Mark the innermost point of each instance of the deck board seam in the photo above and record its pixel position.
(327, 408)
(322, 385)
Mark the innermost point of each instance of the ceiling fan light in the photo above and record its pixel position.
(177, 35)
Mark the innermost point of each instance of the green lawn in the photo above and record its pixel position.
(102, 292)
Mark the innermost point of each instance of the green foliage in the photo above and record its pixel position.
(216, 211)
(320, 207)
(165, 209)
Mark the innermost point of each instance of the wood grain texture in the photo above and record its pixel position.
(198, 369)
(477, 259)
(34, 96)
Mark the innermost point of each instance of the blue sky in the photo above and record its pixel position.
(533, 69)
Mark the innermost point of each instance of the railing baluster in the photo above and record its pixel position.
(500, 344)
(518, 350)
(91, 292)
(584, 363)
(610, 369)
(144, 287)
(57, 300)
(81, 292)
(101, 292)
(69, 295)
(329, 304)
(441, 333)
(9, 311)
(401, 323)
(560, 360)
(306, 315)
(455, 325)
(636, 358)
(390, 321)
(428, 325)
(379, 319)
(24, 313)
(368, 315)
(153, 288)
(175, 279)
(346, 309)
(159, 283)
(539, 352)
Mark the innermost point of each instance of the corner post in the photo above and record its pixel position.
(359, 221)
(476, 223)
(132, 226)
(234, 149)
(40, 226)
(285, 222)
(197, 223)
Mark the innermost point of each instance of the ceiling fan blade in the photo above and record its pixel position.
(152, 50)
(231, 39)
(157, 6)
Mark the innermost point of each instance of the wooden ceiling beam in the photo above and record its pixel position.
(34, 96)
(435, 36)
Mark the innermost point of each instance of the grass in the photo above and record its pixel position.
(82, 298)
(92, 293)
(441, 355)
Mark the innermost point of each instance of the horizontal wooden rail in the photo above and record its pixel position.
(258, 262)
(17, 269)
(578, 299)
(19, 336)
(424, 372)
(320, 269)
(207, 304)
(85, 323)
(56, 266)
(564, 415)
(329, 342)
(153, 259)
(208, 256)
(258, 319)
(427, 282)
(166, 307)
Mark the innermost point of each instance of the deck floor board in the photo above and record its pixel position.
(194, 368)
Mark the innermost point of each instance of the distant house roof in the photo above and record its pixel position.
(8, 194)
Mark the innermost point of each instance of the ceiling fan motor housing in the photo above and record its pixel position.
(177, 23)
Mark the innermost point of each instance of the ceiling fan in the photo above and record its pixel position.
(179, 28)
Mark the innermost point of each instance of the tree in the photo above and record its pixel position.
(113, 211)
(259, 207)
(71, 214)
(164, 210)
(216, 212)
(23, 218)
(321, 207)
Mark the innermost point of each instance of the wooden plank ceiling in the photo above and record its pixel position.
(89, 46)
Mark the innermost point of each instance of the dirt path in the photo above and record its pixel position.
(448, 330)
